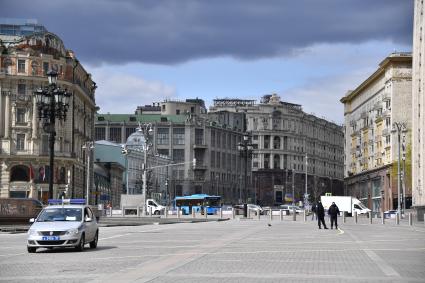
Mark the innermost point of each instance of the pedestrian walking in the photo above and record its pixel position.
(320, 210)
(314, 211)
(333, 212)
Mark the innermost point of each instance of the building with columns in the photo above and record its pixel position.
(24, 151)
(283, 137)
(182, 131)
(371, 147)
(418, 113)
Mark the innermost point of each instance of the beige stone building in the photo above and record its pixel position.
(418, 113)
(24, 150)
(282, 135)
(371, 148)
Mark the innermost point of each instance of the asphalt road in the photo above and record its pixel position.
(228, 251)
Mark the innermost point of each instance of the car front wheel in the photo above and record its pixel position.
(31, 249)
(80, 246)
(93, 244)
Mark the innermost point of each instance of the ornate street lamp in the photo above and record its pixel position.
(245, 150)
(52, 102)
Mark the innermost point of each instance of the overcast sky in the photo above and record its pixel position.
(308, 51)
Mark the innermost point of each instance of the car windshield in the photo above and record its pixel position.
(60, 214)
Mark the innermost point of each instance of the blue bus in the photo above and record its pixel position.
(198, 203)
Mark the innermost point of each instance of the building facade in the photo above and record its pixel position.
(108, 180)
(418, 116)
(184, 137)
(24, 155)
(282, 136)
(371, 147)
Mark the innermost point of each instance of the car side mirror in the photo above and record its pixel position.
(32, 220)
(88, 219)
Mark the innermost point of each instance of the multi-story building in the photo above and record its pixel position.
(418, 116)
(24, 155)
(371, 147)
(108, 179)
(282, 136)
(183, 133)
(20, 27)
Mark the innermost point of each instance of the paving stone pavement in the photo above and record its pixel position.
(229, 251)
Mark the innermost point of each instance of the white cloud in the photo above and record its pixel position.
(122, 93)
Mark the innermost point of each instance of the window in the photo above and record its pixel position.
(177, 111)
(178, 155)
(20, 141)
(163, 151)
(20, 115)
(45, 67)
(163, 136)
(212, 138)
(115, 134)
(22, 89)
(178, 136)
(100, 133)
(21, 66)
(388, 122)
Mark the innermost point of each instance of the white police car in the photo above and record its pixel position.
(64, 223)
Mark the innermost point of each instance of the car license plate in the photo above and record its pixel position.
(51, 238)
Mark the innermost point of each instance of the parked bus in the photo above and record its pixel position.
(198, 203)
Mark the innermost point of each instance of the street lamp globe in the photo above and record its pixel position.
(53, 77)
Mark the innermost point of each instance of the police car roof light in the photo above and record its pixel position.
(67, 201)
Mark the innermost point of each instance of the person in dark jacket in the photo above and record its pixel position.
(313, 210)
(321, 215)
(333, 212)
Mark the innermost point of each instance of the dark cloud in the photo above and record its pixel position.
(170, 32)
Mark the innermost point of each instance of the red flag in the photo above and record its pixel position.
(31, 173)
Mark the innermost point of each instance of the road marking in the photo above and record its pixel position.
(385, 267)
(12, 254)
(340, 232)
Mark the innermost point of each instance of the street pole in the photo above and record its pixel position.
(145, 161)
(398, 175)
(246, 172)
(88, 177)
(126, 173)
(293, 188)
(306, 177)
(52, 135)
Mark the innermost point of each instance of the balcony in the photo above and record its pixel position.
(200, 146)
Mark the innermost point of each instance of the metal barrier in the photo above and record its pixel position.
(294, 215)
(259, 215)
(233, 213)
(166, 212)
(178, 212)
(370, 217)
(410, 219)
(193, 213)
(382, 217)
(397, 218)
(281, 214)
(271, 214)
(343, 217)
(355, 217)
(221, 213)
(305, 215)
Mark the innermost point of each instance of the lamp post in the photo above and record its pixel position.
(125, 151)
(398, 127)
(245, 149)
(147, 132)
(306, 177)
(88, 146)
(52, 102)
(216, 180)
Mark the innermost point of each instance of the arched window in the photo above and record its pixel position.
(19, 173)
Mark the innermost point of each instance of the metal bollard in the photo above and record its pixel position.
(281, 214)
(123, 211)
(166, 212)
(110, 211)
(382, 217)
(259, 215)
(355, 217)
(294, 215)
(410, 219)
(397, 218)
(138, 211)
(305, 215)
(271, 214)
(233, 213)
(221, 213)
(248, 213)
(193, 213)
(150, 211)
(206, 213)
(178, 212)
(370, 217)
(343, 217)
